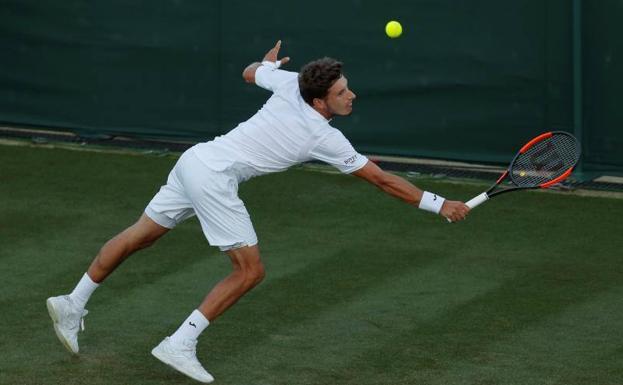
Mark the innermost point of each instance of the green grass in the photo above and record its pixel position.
(360, 288)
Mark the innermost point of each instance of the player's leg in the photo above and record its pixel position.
(67, 311)
(247, 272)
(226, 223)
(140, 235)
(168, 207)
(179, 350)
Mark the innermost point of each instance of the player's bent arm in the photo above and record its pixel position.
(249, 73)
(403, 189)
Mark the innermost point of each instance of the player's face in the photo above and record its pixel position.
(339, 99)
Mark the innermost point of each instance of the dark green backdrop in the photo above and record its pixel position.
(467, 80)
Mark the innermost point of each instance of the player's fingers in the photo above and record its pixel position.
(285, 60)
(460, 215)
(277, 46)
(272, 53)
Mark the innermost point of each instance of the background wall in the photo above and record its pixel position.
(603, 84)
(466, 81)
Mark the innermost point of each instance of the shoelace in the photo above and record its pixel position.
(190, 345)
(84, 314)
(189, 348)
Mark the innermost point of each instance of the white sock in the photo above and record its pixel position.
(191, 328)
(83, 291)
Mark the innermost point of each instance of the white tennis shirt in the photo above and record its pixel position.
(286, 131)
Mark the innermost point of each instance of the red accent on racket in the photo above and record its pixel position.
(541, 163)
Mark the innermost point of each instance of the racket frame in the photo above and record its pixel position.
(479, 199)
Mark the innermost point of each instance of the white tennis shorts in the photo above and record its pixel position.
(194, 189)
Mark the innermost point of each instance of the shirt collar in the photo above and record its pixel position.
(311, 112)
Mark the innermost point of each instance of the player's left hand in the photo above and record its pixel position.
(271, 55)
(454, 210)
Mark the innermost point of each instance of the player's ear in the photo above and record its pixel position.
(319, 104)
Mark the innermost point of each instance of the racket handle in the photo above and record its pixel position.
(475, 201)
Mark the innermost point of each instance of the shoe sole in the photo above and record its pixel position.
(162, 358)
(55, 321)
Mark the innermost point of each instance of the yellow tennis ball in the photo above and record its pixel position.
(523, 173)
(393, 29)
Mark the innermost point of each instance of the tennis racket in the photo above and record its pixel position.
(542, 162)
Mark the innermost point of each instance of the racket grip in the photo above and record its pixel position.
(475, 201)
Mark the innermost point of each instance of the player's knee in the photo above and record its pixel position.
(259, 273)
(254, 274)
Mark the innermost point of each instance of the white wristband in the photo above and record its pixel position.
(272, 64)
(431, 202)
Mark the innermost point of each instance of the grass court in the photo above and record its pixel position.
(360, 288)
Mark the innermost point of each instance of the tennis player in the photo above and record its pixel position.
(292, 127)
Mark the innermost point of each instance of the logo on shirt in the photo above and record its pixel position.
(351, 160)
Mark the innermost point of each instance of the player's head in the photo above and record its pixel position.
(324, 87)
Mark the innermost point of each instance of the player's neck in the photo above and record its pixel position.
(325, 114)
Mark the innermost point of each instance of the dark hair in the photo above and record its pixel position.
(317, 77)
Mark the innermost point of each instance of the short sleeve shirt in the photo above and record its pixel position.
(286, 131)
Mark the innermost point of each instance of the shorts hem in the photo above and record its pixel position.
(159, 218)
(237, 245)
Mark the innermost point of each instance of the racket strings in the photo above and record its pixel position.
(545, 160)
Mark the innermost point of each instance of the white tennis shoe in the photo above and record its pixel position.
(68, 319)
(183, 358)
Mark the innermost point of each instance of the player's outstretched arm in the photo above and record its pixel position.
(271, 56)
(403, 189)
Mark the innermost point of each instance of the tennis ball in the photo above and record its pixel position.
(523, 173)
(393, 29)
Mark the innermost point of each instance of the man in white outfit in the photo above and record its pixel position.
(292, 127)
